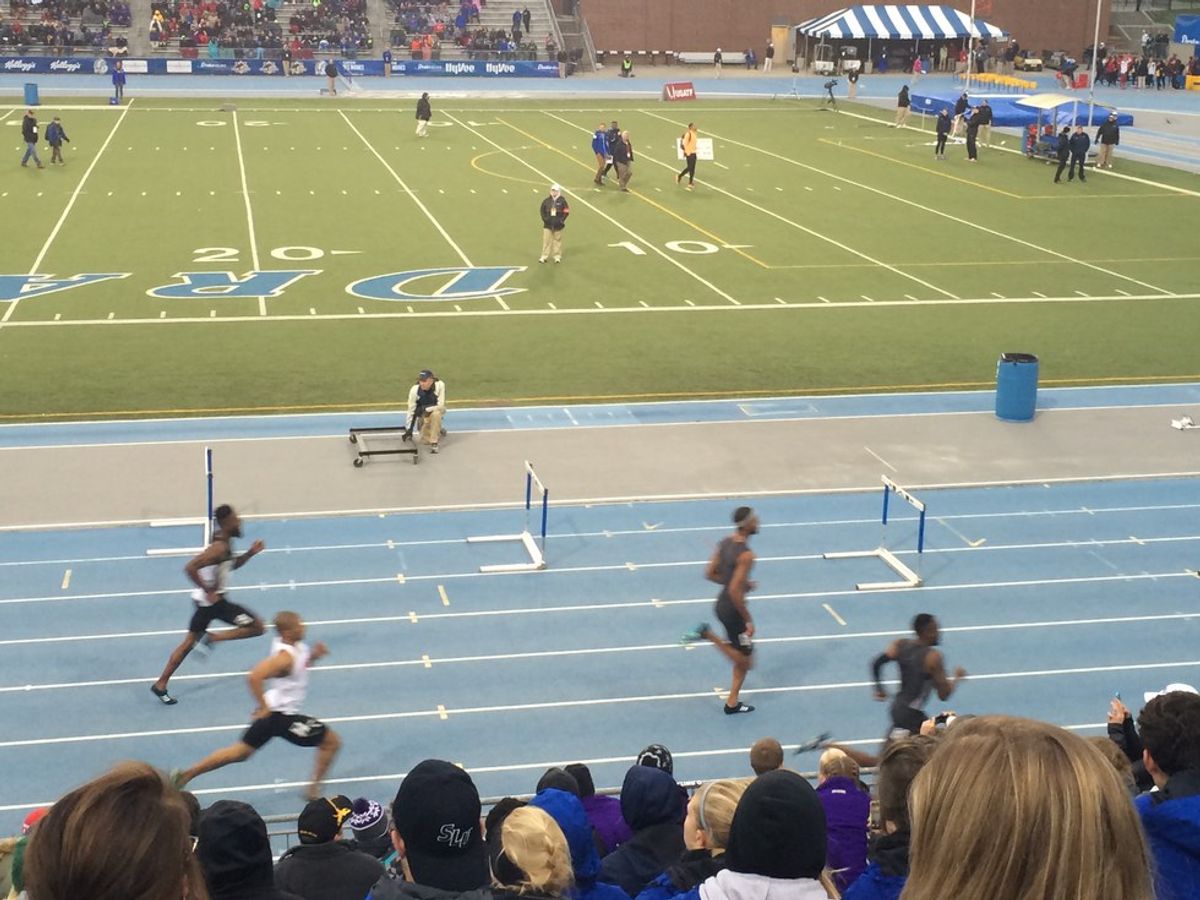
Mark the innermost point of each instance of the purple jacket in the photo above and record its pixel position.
(605, 815)
(847, 810)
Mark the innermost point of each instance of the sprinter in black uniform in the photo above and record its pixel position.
(730, 567)
(922, 669)
(209, 572)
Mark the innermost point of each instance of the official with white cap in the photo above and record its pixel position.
(554, 219)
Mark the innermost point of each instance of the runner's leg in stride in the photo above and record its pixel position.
(730, 567)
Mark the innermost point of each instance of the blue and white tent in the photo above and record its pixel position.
(896, 22)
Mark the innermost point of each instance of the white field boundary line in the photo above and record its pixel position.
(579, 198)
(636, 498)
(390, 545)
(929, 209)
(1107, 172)
(395, 777)
(429, 660)
(576, 704)
(789, 398)
(37, 263)
(7, 114)
(610, 310)
(415, 199)
(809, 231)
(237, 136)
(291, 585)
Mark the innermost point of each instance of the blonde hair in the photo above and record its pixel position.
(835, 762)
(1013, 809)
(535, 844)
(716, 803)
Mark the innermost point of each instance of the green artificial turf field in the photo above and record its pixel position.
(819, 252)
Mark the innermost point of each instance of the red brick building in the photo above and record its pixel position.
(702, 25)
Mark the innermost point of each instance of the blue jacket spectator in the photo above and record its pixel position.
(567, 810)
(885, 876)
(1170, 730)
(650, 804)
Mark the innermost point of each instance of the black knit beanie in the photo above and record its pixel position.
(778, 829)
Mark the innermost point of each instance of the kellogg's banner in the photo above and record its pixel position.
(46, 65)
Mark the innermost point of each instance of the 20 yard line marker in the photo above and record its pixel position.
(237, 136)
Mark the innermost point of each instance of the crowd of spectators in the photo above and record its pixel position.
(973, 808)
(258, 27)
(426, 28)
(1125, 70)
(62, 26)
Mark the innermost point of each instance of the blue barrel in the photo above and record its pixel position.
(31, 94)
(1016, 386)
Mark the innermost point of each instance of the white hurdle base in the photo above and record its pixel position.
(537, 560)
(179, 551)
(911, 578)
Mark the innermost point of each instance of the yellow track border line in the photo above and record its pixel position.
(389, 406)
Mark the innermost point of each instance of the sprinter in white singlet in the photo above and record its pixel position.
(278, 711)
(209, 572)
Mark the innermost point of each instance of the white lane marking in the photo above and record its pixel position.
(442, 711)
(829, 609)
(37, 263)
(880, 458)
(580, 199)
(937, 212)
(415, 199)
(237, 137)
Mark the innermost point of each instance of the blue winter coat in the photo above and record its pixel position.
(650, 804)
(1172, 826)
(885, 877)
(567, 810)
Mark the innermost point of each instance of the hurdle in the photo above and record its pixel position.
(206, 523)
(910, 578)
(534, 545)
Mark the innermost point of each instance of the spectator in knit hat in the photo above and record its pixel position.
(567, 810)
(847, 810)
(372, 834)
(776, 844)
(766, 755)
(235, 854)
(659, 757)
(602, 811)
(650, 804)
(321, 867)
(436, 832)
(122, 836)
(888, 869)
(705, 834)
(559, 779)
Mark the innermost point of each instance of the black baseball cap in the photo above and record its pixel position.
(423, 374)
(436, 813)
(322, 819)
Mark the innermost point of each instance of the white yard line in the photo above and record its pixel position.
(579, 199)
(33, 270)
(784, 219)
(237, 136)
(923, 207)
(415, 199)
(591, 310)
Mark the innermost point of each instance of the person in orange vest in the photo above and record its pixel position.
(687, 142)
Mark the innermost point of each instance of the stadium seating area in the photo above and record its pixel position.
(66, 26)
(1041, 813)
(259, 27)
(457, 30)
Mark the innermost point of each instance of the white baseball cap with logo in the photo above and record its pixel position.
(1170, 689)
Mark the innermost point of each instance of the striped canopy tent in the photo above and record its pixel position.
(897, 22)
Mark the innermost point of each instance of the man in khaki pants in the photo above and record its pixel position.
(903, 105)
(427, 402)
(554, 219)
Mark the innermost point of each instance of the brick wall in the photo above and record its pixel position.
(733, 25)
